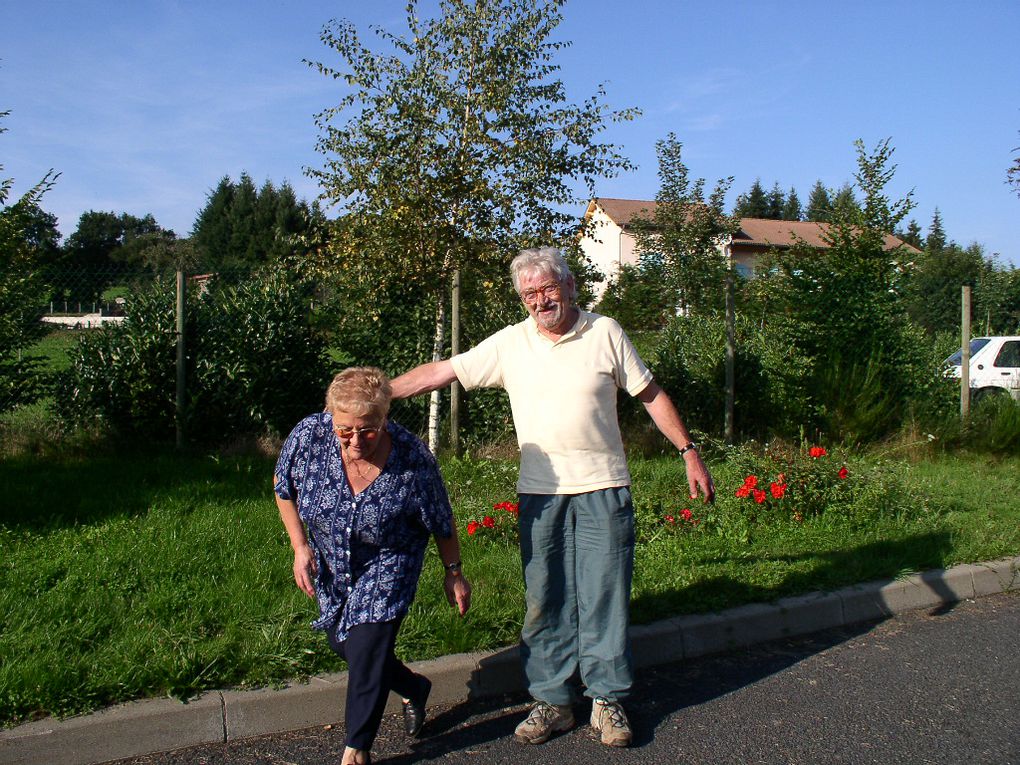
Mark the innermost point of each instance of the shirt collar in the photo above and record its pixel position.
(581, 322)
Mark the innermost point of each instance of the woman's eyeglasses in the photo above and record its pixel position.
(369, 434)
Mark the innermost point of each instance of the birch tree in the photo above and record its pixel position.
(454, 146)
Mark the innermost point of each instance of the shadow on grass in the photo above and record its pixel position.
(831, 570)
(45, 494)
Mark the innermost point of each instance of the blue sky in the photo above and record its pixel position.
(143, 105)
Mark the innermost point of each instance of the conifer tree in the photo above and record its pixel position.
(791, 210)
(935, 242)
(753, 204)
(819, 207)
(776, 203)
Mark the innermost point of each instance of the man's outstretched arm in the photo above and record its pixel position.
(423, 379)
(666, 418)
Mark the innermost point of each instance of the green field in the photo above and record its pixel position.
(144, 575)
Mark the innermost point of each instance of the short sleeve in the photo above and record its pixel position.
(288, 464)
(632, 373)
(480, 367)
(436, 512)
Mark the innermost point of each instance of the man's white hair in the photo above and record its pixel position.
(546, 260)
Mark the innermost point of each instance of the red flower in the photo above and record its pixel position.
(510, 507)
(843, 472)
(686, 514)
(472, 527)
(759, 496)
(817, 451)
(743, 491)
(669, 519)
(751, 481)
(778, 490)
(489, 522)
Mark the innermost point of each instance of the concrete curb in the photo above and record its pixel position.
(143, 727)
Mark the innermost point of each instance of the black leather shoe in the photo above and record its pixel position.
(414, 710)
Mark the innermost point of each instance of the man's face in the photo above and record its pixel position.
(545, 298)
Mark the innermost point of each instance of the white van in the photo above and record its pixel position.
(994, 366)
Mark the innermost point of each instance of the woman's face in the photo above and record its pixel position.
(359, 436)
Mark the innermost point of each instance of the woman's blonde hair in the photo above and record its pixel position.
(360, 391)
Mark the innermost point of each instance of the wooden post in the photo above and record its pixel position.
(454, 350)
(731, 360)
(179, 408)
(965, 361)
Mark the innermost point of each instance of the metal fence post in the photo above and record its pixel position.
(179, 409)
(731, 362)
(965, 348)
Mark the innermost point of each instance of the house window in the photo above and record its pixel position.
(743, 270)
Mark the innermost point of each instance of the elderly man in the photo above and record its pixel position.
(561, 368)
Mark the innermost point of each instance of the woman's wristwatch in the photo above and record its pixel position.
(452, 568)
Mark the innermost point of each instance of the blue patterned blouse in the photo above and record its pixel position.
(369, 548)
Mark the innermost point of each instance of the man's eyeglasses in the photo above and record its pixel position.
(546, 290)
(369, 434)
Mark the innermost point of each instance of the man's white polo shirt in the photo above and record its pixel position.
(563, 398)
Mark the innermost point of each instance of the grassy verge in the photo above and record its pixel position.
(150, 575)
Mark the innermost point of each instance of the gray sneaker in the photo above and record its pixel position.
(544, 720)
(609, 719)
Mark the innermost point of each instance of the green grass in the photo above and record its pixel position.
(55, 348)
(157, 574)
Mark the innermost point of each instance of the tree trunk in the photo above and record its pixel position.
(454, 350)
(438, 338)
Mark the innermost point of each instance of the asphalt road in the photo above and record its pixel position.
(923, 687)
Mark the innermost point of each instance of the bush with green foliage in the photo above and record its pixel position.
(771, 396)
(258, 364)
(992, 428)
(254, 363)
(639, 297)
(122, 377)
(22, 290)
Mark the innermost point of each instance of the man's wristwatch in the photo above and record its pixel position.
(689, 448)
(452, 568)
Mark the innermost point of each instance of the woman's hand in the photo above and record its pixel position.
(458, 591)
(305, 569)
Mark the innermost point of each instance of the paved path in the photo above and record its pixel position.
(931, 686)
(474, 693)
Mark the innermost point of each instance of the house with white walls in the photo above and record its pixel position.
(609, 239)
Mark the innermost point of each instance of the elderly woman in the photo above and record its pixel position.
(359, 497)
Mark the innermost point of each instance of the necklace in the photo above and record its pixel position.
(349, 463)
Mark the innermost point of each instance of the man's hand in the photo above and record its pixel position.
(698, 477)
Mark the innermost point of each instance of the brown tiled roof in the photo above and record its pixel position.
(757, 233)
(622, 210)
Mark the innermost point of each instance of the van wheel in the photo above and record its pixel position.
(987, 394)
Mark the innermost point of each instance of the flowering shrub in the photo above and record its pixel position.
(502, 526)
(661, 517)
(804, 484)
(682, 521)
